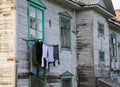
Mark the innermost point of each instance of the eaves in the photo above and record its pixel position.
(114, 24)
(70, 3)
(99, 9)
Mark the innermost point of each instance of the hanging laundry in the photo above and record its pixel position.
(44, 54)
(51, 54)
(33, 69)
(48, 54)
(39, 52)
(56, 54)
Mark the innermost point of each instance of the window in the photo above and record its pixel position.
(36, 20)
(65, 27)
(39, 82)
(100, 29)
(113, 45)
(36, 31)
(102, 58)
(66, 79)
(67, 82)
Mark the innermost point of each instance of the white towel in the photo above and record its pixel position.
(44, 54)
(50, 54)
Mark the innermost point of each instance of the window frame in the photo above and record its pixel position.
(101, 32)
(66, 17)
(66, 76)
(30, 4)
(38, 5)
(70, 83)
(101, 62)
(113, 36)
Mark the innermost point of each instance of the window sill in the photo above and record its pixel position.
(65, 49)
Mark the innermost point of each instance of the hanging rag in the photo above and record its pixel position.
(39, 52)
(44, 54)
(56, 54)
(33, 69)
(50, 53)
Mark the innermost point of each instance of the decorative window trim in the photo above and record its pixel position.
(38, 3)
(66, 76)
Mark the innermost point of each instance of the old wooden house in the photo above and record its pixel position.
(97, 44)
(25, 21)
(86, 36)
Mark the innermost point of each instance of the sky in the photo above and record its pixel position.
(116, 4)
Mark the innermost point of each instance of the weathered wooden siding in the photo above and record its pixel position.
(22, 51)
(52, 36)
(116, 69)
(7, 43)
(89, 44)
(101, 43)
(85, 49)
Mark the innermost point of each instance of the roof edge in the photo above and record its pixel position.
(113, 23)
(99, 9)
(71, 3)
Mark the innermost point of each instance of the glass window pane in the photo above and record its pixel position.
(39, 14)
(68, 38)
(65, 32)
(39, 26)
(32, 23)
(32, 34)
(114, 41)
(39, 35)
(32, 12)
(101, 28)
(66, 83)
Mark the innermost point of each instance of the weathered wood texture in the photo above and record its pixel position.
(101, 43)
(52, 36)
(7, 43)
(89, 44)
(22, 51)
(85, 49)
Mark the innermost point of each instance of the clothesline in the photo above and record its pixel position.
(40, 55)
(38, 40)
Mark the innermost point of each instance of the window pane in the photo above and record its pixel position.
(32, 34)
(37, 82)
(66, 83)
(32, 23)
(102, 55)
(39, 14)
(114, 41)
(68, 38)
(39, 26)
(39, 35)
(32, 12)
(102, 59)
(101, 28)
(65, 32)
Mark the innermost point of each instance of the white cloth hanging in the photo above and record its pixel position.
(44, 54)
(50, 54)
